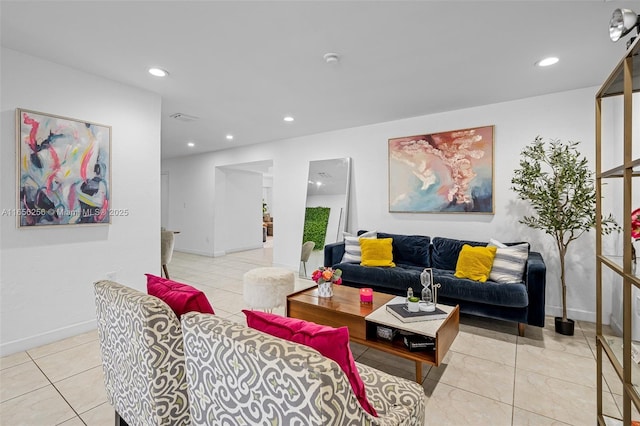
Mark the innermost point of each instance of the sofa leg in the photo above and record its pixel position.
(521, 329)
(120, 421)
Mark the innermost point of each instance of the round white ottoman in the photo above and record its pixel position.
(267, 288)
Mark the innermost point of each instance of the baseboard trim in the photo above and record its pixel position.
(574, 314)
(31, 342)
(218, 253)
(198, 252)
(238, 249)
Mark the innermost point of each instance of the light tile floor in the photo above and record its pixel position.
(489, 377)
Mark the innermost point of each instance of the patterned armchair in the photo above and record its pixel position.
(240, 376)
(142, 357)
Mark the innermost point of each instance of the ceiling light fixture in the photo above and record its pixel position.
(229, 137)
(158, 72)
(551, 60)
(288, 119)
(191, 144)
(622, 22)
(331, 58)
(184, 117)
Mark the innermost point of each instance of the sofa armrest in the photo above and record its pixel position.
(333, 253)
(398, 401)
(536, 282)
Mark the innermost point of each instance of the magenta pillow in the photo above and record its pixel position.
(181, 298)
(330, 342)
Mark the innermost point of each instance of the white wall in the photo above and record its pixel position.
(567, 115)
(267, 191)
(241, 212)
(47, 275)
(191, 206)
(164, 200)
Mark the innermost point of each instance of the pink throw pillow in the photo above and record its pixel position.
(181, 298)
(330, 342)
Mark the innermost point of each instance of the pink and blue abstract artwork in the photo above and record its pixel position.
(64, 170)
(448, 172)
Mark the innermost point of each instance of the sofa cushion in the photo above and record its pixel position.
(181, 298)
(445, 251)
(475, 263)
(410, 249)
(330, 342)
(377, 252)
(352, 251)
(509, 263)
(490, 293)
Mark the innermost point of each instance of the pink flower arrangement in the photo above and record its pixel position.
(327, 275)
(635, 224)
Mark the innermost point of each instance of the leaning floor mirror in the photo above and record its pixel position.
(326, 210)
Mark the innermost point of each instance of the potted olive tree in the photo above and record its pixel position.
(556, 180)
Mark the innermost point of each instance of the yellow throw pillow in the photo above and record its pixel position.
(377, 252)
(475, 263)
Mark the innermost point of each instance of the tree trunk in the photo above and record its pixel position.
(562, 251)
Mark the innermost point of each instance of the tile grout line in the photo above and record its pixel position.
(32, 390)
(61, 350)
(58, 391)
(541, 374)
(515, 373)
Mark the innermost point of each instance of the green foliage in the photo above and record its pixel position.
(558, 183)
(315, 225)
(556, 180)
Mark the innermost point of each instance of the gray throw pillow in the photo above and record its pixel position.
(352, 251)
(509, 263)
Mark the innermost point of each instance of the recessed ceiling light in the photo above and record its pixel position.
(331, 58)
(229, 137)
(547, 61)
(158, 72)
(288, 118)
(191, 144)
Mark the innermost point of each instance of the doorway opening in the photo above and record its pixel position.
(243, 200)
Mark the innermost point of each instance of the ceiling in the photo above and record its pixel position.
(242, 66)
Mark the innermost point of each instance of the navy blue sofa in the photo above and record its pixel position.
(522, 302)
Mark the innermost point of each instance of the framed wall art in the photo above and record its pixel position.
(64, 170)
(447, 172)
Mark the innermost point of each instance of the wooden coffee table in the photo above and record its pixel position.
(345, 309)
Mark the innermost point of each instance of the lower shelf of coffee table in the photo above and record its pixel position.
(397, 347)
(443, 340)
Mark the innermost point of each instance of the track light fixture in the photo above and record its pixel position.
(622, 22)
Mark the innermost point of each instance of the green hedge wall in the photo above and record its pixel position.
(315, 226)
